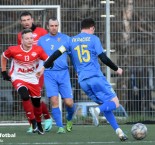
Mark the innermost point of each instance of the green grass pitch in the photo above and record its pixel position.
(81, 135)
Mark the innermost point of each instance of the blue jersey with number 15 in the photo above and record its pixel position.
(84, 49)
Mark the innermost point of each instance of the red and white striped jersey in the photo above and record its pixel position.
(37, 33)
(24, 63)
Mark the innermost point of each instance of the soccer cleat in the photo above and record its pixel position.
(95, 115)
(35, 130)
(69, 126)
(29, 130)
(122, 136)
(34, 126)
(40, 129)
(48, 124)
(61, 130)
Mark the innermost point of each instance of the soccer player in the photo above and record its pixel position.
(25, 60)
(27, 22)
(57, 79)
(85, 49)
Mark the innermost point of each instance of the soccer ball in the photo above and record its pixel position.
(139, 131)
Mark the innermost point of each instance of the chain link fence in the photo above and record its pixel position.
(132, 26)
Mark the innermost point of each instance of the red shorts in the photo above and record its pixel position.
(34, 89)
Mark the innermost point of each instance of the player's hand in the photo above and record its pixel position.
(40, 73)
(5, 76)
(119, 71)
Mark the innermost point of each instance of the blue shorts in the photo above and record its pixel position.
(58, 82)
(98, 89)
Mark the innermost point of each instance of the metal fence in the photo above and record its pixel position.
(132, 26)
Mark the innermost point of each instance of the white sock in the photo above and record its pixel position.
(97, 110)
(118, 131)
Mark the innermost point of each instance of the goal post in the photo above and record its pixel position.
(17, 8)
(33, 8)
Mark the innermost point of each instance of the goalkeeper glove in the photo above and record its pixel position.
(5, 76)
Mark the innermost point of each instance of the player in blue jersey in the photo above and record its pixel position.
(57, 79)
(85, 49)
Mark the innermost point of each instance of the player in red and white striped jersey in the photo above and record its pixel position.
(25, 61)
(27, 22)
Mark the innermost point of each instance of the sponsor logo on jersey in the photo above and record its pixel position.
(34, 35)
(34, 54)
(18, 55)
(59, 39)
(27, 70)
(47, 39)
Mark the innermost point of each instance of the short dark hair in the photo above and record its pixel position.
(87, 23)
(25, 13)
(26, 31)
(52, 18)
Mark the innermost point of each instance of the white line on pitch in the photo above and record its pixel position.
(76, 143)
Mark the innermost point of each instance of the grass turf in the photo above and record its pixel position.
(81, 135)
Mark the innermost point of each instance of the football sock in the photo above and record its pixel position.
(107, 106)
(56, 113)
(27, 105)
(45, 111)
(111, 119)
(34, 123)
(38, 113)
(70, 112)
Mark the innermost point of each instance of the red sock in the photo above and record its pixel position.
(28, 108)
(45, 110)
(38, 113)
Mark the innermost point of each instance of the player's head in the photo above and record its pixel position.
(26, 19)
(53, 26)
(88, 24)
(27, 38)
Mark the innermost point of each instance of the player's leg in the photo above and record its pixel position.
(89, 92)
(110, 103)
(56, 113)
(112, 121)
(45, 111)
(35, 93)
(47, 121)
(47, 117)
(51, 86)
(38, 113)
(28, 107)
(66, 93)
(70, 108)
(104, 95)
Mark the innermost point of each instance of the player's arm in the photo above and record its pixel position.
(103, 57)
(49, 62)
(3, 69)
(3, 63)
(54, 56)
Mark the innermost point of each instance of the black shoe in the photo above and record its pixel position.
(34, 126)
(40, 129)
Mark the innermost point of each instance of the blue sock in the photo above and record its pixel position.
(111, 119)
(56, 114)
(107, 106)
(70, 112)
